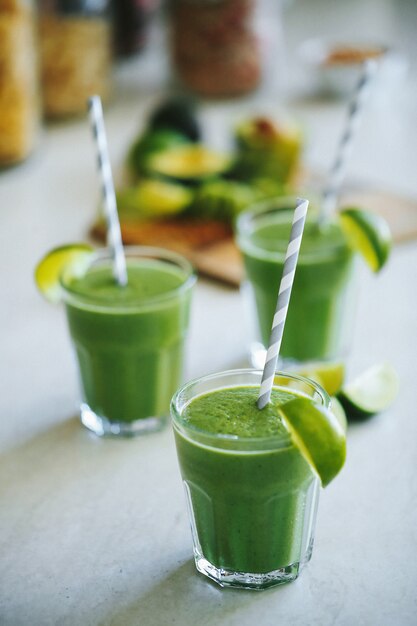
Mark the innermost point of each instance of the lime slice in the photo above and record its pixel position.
(368, 234)
(370, 393)
(74, 257)
(329, 375)
(318, 435)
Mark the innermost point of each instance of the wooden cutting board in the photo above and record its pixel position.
(210, 247)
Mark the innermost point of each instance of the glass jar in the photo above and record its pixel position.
(215, 48)
(132, 20)
(75, 49)
(19, 103)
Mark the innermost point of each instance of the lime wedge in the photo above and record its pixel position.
(74, 257)
(368, 234)
(329, 375)
(370, 393)
(318, 435)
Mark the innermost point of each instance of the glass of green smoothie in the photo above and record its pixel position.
(129, 340)
(320, 317)
(252, 495)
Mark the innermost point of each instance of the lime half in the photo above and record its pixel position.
(368, 234)
(329, 375)
(74, 257)
(318, 435)
(370, 393)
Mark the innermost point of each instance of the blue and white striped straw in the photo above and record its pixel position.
(284, 294)
(114, 236)
(338, 169)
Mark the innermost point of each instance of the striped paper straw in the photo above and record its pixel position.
(113, 226)
(284, 295)
(338, 169)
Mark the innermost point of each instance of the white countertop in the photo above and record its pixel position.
(95, 531)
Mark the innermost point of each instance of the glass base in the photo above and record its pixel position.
(245, 580)
(101, 426)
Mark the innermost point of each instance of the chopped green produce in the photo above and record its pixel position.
(188, 164)
(175, 174)
(222, 199)
(267, 150)
(270, 188)
(153, 198)
(150, 143)
(177, 114)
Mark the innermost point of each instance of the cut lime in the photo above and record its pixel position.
(372, 392)
(318, 435)
(74, 256)
(368, 234)
(329, 375)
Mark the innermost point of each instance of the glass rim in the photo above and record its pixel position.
(282, 205)
(276, 441)
(71, 296)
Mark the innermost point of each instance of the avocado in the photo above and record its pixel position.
(176, 114)
(153, 198)
(222, 199)
(266, 150)
(151, 143)
(190, 164)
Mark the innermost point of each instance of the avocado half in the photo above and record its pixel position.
(151, 143)
(189, 164)
(152, 198)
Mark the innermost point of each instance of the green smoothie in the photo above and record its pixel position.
(252, 493)
(129, 340)
(319, 320)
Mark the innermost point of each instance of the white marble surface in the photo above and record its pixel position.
(95, 531)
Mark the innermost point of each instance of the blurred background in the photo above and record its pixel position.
(55, 53)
